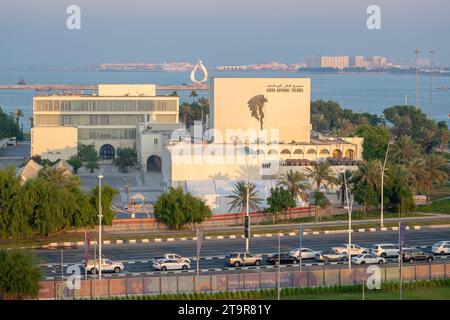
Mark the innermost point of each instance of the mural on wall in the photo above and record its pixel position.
(256, 105)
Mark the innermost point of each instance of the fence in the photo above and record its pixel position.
(245, 280)
(217, 220)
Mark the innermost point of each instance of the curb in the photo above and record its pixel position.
(55, 245)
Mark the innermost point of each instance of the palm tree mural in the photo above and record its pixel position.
(239, 197)
(256, 105)
(296, 183)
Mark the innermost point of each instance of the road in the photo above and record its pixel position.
(136, 257)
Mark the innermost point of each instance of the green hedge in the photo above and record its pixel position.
(267, 293)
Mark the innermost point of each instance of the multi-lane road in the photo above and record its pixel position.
(137, 257)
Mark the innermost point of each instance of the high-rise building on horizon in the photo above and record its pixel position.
(335, 62)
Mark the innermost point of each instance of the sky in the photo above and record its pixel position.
(34, 33)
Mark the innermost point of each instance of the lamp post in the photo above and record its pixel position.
(100, 216)
(349, 210)
(431, 81)
(247, 214)
(383, 169)
(417, 78)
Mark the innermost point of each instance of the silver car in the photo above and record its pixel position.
(330, 256)
(170, 264)
(306, 253)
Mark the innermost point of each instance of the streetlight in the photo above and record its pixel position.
(431, 81)
(417, 78)
(247, 214)
(349, 210)
(383, 169)
(100, 216)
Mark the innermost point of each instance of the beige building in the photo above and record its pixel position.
(108, 119)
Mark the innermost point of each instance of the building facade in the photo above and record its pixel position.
(108, 120)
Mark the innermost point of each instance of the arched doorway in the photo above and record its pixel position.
(154, 164)
(350, 154)
(107, 152)
(337, 154)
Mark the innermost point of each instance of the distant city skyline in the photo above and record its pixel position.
(34, 34)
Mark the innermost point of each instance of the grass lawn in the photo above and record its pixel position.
(439, 206)
(442, 293)
(441, 192)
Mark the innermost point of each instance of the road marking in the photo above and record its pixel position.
(145, 241)
(268, 235)
(183, 239)
(372, 230)
(361, 230)
(219, 237)
(383, 229)
(131, 262)
(292, 233)
(170, 239)
(316, 232)
(157, 240)
(144, 261)
(132, 241)
(106, 242)
(80, 243)
(232, 236)
(119, 241)
(416, 227)
(394, 228)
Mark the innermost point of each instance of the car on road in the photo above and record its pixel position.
(238, 259)
(282, 258)
(354, 249)
(328, 256)
(385, 250)
(107, 266)
(170, 264)
(368, 259)
(172, 256)
(306, 253)
(441, 247)
(416, 255)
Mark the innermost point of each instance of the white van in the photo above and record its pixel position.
(385, 250)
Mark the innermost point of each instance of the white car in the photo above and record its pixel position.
(170, 264)
(354, 249)
(441, 247)
(107, 266)
(385, 250)
(306, 253)
(367, 258)
(173, 256)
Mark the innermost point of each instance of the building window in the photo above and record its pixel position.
(155, 141)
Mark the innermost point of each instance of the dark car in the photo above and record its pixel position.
(284, 258)
(416, 255)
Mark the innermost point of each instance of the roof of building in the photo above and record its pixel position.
(64, 165)
(29, 171)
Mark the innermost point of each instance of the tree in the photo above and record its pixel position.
(177, 208)
(108, 194)
(18, 113)
(174, 94)
(126, 157)
(193, 95)
(279, 201)
(92, 165)
(75, 162)
(204, 107)
(376, 139)
(344, 181)
(320, 202)
(415, 174)
(398, 194)
(87, 152)
(19, 275)
(321, 174)
(186, 113)
(367, 181)
(296, 183)
(443, 135)
(434, 173)
(9, 127)
(404, 150)
(59, 177)
(239, 197)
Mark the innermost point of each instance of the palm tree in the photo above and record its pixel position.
(344, 179)
(415, 173)
(368, 173)
(321, 173)
(204, 102)
(193, 95)
(296, 183)
(59, 177)
(186, 112)
(435, 174)
(404, 150)
(18, 113)
(92, 164)
(239, 197)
